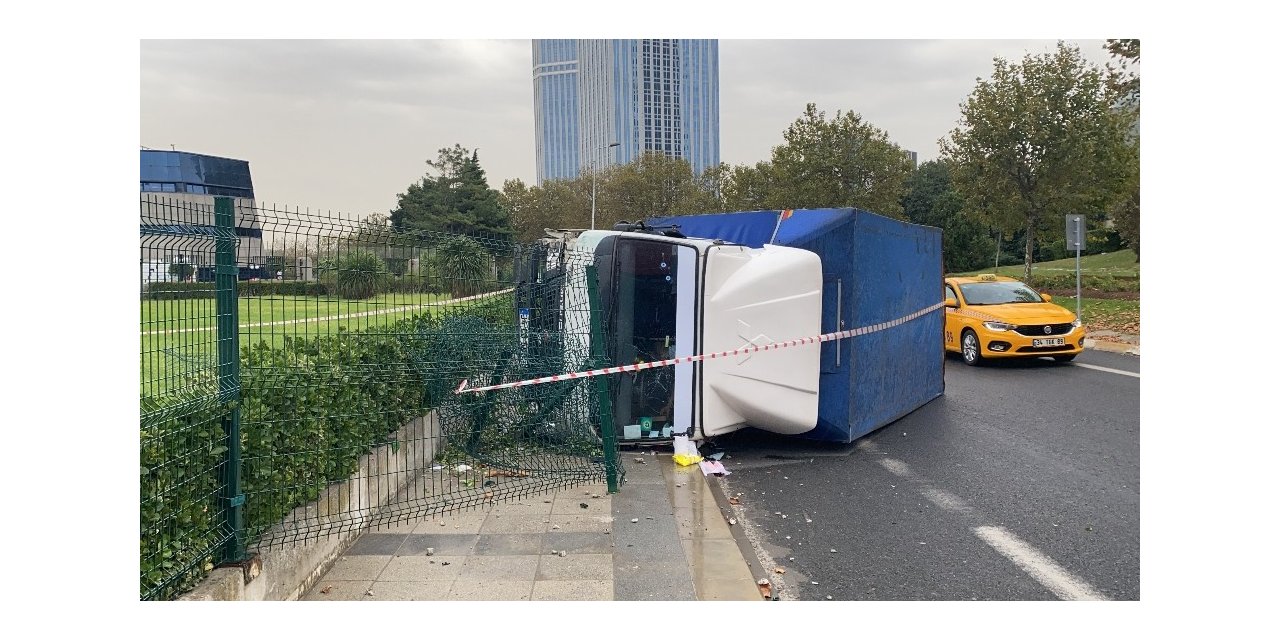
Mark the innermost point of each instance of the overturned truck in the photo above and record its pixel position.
(867, 289)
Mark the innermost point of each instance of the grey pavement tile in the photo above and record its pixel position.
(577, 542)
(402, 527)
(463, 522)
(509, 544)
(357, 567)
(505, 590)
(526, 505)
(339, 590)
(499, 568)
(572, 505)
(581, 523)
(444, 544)
(563, 590)
(376, 544)
(424, 590)
(576, 566)
(422, 568)
(666, 579)
(702, 523)
(648, 473)
(719, 571)
(515, 523)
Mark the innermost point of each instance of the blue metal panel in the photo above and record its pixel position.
(750, 228)
(875, 269)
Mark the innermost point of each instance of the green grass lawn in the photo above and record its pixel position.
(1121, 264)
(1109, 315)
(178, 341)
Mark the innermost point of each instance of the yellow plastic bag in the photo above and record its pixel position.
(686, 453)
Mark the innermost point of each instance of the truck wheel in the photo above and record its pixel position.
(970, 350)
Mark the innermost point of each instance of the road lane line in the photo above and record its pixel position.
(1037, 565)
(946, 500)
(898, 468)
(1107, 369)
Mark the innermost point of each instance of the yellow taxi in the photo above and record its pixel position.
(990, 316)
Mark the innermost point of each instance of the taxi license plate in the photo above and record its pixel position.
(1048, 342)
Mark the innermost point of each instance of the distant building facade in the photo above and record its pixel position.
(179, 187)
(646, 95)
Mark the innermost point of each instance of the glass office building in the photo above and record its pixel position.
(646, 95)
(190, 182)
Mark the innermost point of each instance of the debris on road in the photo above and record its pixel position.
(583, 505)
(635, 519)
(327, 589)
(431, 551)
(766, 589)
(779, 570)
(735, 500)
(563, 553)
(733, 521)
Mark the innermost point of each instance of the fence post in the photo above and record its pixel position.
(225, 273)
(607, 432)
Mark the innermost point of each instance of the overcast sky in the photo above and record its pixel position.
(345, 125)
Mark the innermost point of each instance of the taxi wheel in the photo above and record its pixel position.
(970, 350)
(1066, 358)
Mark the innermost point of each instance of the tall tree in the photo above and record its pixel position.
(455, 200)
(1126, 82)
(1040, 140)
(840, 162)
(967, 243)
(654, 184)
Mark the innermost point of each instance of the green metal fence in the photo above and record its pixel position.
(298, 377)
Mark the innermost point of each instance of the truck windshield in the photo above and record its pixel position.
(979, 293)
(650, 308)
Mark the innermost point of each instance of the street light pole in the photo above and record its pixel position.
(593, 184)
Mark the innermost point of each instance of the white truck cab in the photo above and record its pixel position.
(665, 296)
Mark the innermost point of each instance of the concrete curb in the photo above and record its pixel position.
(1112, 347)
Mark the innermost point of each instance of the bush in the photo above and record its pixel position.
(461, 266)
(244, 289)
(182, 448)
(357, 275)
(182, 271)
(1067, 281)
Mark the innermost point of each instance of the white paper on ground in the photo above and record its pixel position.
(710, 467)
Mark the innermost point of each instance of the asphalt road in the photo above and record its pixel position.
(1020, 483)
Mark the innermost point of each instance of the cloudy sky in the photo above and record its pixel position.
(345, 125)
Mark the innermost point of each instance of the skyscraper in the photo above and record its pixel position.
(646, 95)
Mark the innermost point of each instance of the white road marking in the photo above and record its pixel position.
(946, 500)
(897, 468)
(1107, 369)
(1037, 565)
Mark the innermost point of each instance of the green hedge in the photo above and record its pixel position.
(1062, 281)
(310, 409)
(182, 445)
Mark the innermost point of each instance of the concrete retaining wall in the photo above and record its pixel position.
(330, 524)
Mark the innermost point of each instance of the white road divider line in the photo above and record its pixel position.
(826, 337)
(946, 500)
(1107, 369)
(1039, 566)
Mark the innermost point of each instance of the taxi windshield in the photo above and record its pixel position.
(979, 293)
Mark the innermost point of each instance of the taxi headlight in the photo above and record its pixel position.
(998, 326)
(1076, 322)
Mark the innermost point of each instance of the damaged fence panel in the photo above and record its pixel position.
(351, 337)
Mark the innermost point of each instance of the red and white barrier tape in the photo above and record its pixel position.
(826, 337)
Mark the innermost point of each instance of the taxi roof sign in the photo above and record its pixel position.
(988, 277)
